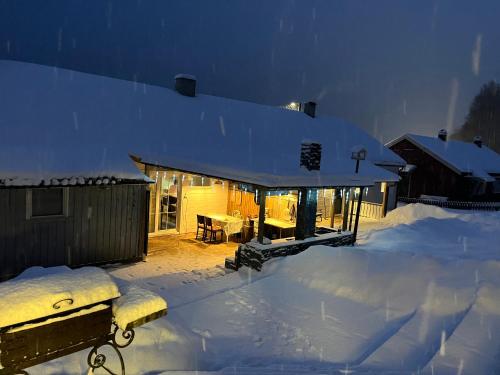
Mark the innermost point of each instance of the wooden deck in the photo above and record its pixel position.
(182, 252)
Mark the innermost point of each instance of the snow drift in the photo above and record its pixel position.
(404, 301)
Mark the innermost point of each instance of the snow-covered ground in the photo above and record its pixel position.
(419, 294)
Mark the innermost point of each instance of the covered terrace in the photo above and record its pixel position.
(213, 207)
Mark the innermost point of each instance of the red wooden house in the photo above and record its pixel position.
(437, 166)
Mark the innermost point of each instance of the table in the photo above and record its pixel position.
(229, 224)
(280, 225)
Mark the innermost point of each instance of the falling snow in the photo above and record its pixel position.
(398, 303)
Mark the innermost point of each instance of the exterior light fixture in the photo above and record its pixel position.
(358, 153)
(293, 106)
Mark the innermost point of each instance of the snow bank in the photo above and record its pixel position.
(416, 211)
(402, 281)
(39, 293)
(395, 305)
(437, 232)
(134, 304)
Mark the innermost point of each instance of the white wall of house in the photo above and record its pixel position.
(201, 200)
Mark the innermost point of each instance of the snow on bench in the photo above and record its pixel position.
(136, 306)
(52, 291)
(47, 313)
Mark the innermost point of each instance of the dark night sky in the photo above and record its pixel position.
(391, 66)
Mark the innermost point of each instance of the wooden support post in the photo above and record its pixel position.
(262, 215)
(306, 213)
(146, 224)
(345, 210)
(358, 209)
(352, 207)
(385, 199)
(332, 219)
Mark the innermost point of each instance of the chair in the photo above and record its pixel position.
(212, 229)
(201, 225)
(319, 215)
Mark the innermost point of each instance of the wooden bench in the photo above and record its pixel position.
(50, 313)
(34, 342)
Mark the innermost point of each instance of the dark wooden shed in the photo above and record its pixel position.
(72, 225)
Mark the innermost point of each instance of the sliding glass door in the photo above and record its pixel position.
(163, 212)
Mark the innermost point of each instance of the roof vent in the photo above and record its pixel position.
(185, 84)
(310, 155)
(442, 135)
(309, 108)
(478, 141)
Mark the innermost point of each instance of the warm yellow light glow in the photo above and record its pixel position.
(294, 106)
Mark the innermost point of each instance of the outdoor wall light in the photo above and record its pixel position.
(358, 153)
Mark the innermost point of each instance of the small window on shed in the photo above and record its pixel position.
(46, 202)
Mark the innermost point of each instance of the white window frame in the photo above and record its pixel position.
(29, 205)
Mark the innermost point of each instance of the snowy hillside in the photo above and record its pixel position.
(411, 298)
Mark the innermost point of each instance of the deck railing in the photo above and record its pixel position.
(369, 209)
(460, 205)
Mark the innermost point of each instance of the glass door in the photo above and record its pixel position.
(163, 206)
(167, 210)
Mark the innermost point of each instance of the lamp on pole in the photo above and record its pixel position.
(358, 153)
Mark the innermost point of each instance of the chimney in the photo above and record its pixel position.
(442, 135)
(478, 141)
(309, 108)
(310, 155)
(185, 84)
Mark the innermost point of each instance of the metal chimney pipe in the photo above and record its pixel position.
(309, 109)
(185, 84)
(443, 135)
(478, 141)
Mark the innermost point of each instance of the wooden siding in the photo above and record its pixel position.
(369, 210)
(277, 206)
(201, 200)
(431, 177)
(104, 224)
(243, 202)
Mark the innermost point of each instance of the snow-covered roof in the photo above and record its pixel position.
(57, 123)
(461, 157)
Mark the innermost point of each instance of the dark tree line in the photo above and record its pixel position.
(484, 117)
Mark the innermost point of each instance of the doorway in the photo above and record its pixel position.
(163, 209)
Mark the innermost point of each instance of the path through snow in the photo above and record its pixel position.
(408, 299)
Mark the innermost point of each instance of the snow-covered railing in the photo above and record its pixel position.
(460, 205)
(254, 255)
(369, 209)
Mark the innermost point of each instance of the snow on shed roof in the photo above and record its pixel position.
(461, 157)
(61, 123)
